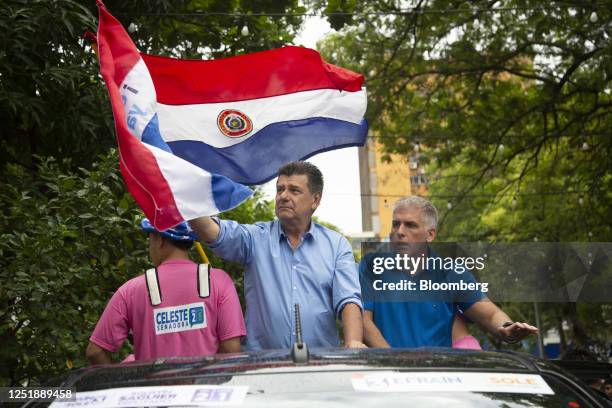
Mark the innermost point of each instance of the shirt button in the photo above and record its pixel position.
(294, 267)
(295, 288)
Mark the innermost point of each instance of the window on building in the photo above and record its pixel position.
(417, 180)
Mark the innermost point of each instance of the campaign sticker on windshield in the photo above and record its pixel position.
(167, 396)
(450, 381)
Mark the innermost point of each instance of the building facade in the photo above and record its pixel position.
(384, 179)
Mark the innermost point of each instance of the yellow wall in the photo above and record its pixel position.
(392, 183)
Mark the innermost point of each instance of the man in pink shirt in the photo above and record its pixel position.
(177, 309)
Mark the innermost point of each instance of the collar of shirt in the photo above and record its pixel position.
(310, 233)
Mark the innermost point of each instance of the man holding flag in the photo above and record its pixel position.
(291, 261)
(189, 131)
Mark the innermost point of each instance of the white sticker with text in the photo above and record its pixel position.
(450, 381)
(167, 396)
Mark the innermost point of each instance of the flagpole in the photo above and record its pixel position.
(201, 252)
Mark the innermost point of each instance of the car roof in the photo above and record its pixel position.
(332, 365)
(168, 370)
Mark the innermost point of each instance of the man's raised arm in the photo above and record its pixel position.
(206, 228)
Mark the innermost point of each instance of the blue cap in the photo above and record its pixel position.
(180, 232)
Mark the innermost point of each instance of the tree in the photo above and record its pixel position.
(534, 213)
(52, 99)
(211, 29)
(503, 85)
(67, 235)
(510, 102)
(69, 239)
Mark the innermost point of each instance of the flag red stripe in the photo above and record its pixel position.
(139, 168)
(120, 54)
(257, 75)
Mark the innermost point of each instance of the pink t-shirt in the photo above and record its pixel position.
(182, 325)
(467, 342)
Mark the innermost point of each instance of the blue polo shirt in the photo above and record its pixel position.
(417, 318)
(320, 275)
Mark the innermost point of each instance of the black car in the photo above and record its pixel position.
(334, 378)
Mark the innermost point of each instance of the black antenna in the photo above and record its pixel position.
(299, 351)
(298, 325)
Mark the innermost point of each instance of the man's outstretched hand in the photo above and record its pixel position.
(516, 332)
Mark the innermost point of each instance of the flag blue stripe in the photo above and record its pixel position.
(226, 193)
(151, 135)
(251, 162)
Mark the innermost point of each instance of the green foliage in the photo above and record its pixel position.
(69, 239)
(197, 28)
(52, 99)
(509, 93)
(68, 235)
(550, 203)
(511, 105)
(339, 12)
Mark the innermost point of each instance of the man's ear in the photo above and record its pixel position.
(431, 234)
(317, 201)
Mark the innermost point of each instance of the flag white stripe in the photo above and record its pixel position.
(139, 98)
(199, 122)
(190, 185)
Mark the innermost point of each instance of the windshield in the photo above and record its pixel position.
(352, 389)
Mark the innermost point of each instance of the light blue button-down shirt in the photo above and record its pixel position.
(319, 275)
